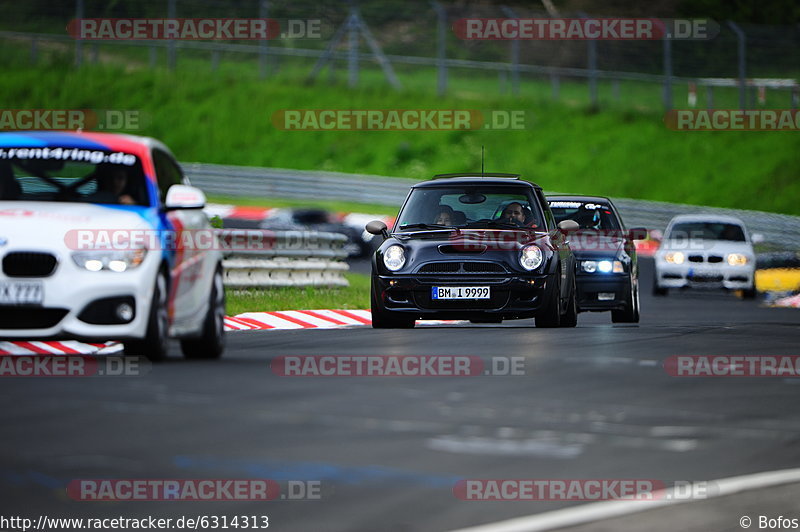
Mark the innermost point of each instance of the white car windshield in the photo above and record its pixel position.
(706, 231)
(97, 180)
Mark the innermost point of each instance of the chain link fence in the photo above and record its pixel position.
(414, 44)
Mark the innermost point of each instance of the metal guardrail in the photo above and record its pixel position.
(261, 259)
(779, 229)
(278, 182)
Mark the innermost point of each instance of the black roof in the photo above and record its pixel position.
(469, 179)
(583, 199)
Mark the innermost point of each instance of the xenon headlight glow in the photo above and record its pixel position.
(115, 261)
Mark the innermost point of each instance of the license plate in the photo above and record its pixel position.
(460, 292)
(21, 293)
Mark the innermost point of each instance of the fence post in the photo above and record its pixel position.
(263, 44)
(441, 50)
(592, 64)
(742, 63)
(352, 48)
(34, 50)
(214, 60)
(667, 72)
(78, 40)
(709, 97)
(514, 55)
(171, 44)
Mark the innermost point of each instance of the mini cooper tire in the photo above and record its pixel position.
(550, 315)
(570, 317)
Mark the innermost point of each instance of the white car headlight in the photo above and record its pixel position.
(394, 257)
(674, 257)
(531, 257)
(737, 259)
(115, 261)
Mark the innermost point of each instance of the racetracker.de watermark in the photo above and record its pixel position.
(733, 365)
(193, 28)
(597, 489)
(72, 366)
(733, 120)
(192, 490)
(70, 119)
(191, 240)
(580, 29)
(395, 366)
(397, 119)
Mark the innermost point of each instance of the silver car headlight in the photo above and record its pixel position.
(531, 257)
(737, 259)
(115, 261)
(394, 257)
(674, 257)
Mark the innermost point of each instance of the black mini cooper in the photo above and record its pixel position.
(607, 266)
(482, 247)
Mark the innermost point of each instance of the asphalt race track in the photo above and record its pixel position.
(595, 402)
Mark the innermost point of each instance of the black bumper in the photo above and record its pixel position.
(511, 296)
(589, 286)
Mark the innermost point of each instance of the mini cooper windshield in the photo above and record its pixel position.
(478, 207)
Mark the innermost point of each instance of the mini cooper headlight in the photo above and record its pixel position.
(531, 257)
(394, 257)
(116, 261)
(674, 257)
(737, 259)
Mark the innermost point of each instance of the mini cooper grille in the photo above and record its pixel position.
(28, 264)
(462, 267)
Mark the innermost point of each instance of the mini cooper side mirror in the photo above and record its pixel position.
(377, 227)
(568, 225)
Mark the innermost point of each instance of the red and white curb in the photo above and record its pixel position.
(298, 319)
(249, 321)
(66, 347)
(791, 301)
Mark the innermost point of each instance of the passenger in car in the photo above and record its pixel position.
(444, 216)
(111, 183)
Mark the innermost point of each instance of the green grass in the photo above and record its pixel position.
(623, 150)
(355, 296)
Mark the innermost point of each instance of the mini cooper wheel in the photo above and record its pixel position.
(211, 343)
(154, 345)
(384, 319)
(550, 315)
(570, 317)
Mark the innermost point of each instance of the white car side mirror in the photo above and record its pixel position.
(184, 197)
(757, 238)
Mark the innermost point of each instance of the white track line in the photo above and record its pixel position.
(596, 511)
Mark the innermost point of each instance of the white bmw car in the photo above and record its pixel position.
(705, 252)
(93, 247)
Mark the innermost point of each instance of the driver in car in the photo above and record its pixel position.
(516, 214)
